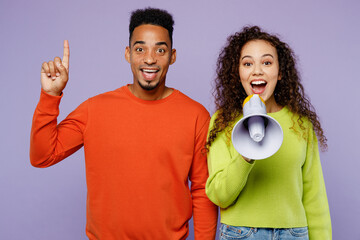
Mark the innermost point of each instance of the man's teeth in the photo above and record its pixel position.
(150, 70)
(258, 82)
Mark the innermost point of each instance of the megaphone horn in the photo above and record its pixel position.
(256, 136)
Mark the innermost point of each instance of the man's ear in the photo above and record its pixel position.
(173, 56)
(127, 54)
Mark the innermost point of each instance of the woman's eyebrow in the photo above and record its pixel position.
(265, 55)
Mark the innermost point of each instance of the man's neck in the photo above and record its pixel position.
(150, 95)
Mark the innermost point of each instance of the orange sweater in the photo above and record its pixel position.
(139, 156)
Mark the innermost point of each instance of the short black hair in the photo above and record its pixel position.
(153, 16)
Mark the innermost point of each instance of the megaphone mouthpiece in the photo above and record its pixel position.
(256, 127)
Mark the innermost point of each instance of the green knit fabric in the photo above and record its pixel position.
(286, 190)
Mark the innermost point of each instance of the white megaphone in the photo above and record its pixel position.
(256, 136)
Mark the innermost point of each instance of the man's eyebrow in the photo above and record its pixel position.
(161, 43)
(138, 42)
(265, 55)
(157, 44)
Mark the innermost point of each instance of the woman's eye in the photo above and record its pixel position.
(267, 63)
(247, 64)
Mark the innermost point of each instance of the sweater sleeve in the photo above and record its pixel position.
(314, 196)
(228, 172)
(51, 142)
(204, 211)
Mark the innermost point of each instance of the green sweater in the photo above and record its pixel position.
(286, 190)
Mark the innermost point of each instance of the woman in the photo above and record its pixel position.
(283, 195)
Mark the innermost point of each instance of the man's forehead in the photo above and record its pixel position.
(146, 33)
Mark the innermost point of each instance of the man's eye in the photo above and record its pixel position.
(160, 50)
(139, 49)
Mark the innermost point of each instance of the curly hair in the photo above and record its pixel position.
(229, 93)
(152, 16)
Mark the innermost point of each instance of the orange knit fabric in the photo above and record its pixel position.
(139, 156)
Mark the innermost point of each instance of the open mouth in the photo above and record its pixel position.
(258, 86)
(149, 70)
(149, 74)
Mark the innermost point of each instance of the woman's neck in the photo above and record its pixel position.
(272, 106)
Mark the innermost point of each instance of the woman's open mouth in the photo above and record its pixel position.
(258, 86)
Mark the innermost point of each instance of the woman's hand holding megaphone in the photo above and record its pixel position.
(248, 159)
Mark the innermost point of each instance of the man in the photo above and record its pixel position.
(142, 143)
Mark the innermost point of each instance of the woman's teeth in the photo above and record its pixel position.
(258, 82)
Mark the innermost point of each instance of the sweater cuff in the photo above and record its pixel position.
(49, 103)
(242, 166)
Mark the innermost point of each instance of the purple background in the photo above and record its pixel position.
(49, 203)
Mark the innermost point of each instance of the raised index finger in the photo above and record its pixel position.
(65, 59)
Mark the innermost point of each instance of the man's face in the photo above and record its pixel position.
(150, 56)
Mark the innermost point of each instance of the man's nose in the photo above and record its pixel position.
(150, 58)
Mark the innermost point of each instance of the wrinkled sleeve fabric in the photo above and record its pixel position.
(228, 171)
(205, 213)
(51, 142)
(314, 195)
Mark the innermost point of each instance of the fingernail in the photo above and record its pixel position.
(49, 74)
(54, 78)
(57, 74)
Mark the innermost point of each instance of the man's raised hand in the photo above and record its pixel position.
(55, 74)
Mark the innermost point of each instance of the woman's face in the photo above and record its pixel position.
(259, 69)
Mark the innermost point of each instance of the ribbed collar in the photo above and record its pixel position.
(126, 90)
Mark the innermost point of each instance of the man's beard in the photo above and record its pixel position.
(148, 87)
